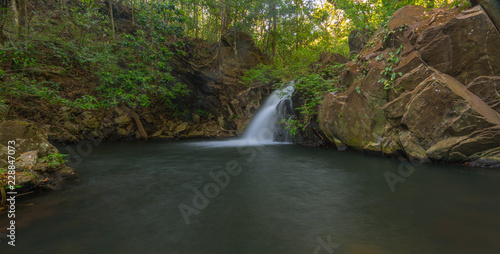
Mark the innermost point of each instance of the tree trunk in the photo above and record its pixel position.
(4, 7)
(110, 3)
(22, 7)
(273, 37)
(225, 17)
(15, 15)
(196, 18)
(133, 12)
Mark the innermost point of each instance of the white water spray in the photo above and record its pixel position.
(263, 127)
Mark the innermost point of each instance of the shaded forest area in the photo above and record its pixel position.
(99, 54)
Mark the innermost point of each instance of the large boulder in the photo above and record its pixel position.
(465, 47)
(39, 164)
(439, 101)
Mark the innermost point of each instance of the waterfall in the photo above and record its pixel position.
(265, 126)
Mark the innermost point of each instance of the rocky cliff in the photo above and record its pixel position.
(427, 87)
(218, 105)
(214, 79)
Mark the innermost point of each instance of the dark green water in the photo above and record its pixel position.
(286, 199)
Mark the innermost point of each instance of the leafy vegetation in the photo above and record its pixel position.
(388, 75)
(332, 22)
(54, 160)
(131, 69)
(110, 53)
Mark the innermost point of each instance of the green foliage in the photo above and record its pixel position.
(231, 118)
(462, 4)
(202, 113)
(313, 88)
(54, 160)
(261, 74)
(388, 76)
(132, 69)
(3, 107)
(161, 18)
(371, 14)
(15, 186)
(292, 125)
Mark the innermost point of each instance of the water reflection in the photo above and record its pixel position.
(283, 201)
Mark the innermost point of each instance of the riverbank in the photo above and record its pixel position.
(29, 162)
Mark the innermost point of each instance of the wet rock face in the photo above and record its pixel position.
(443, 101)
(36, 159)
(215, 81)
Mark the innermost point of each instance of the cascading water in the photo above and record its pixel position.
(265, 126)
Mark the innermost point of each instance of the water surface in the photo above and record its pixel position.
(286, 199)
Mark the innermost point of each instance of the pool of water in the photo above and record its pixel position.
(221, 197)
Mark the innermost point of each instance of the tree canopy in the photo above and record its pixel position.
(59, 35)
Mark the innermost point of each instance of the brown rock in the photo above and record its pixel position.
(429, 114)
(181, 128)
(30, 144)
(122, 132)
(357, 40)
(27, 160)
(28, 137)
(466, 47)
(487, 88)
(123, 121)
(407, 15)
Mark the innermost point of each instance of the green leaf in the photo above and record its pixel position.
(400, 74)
(393, 76)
